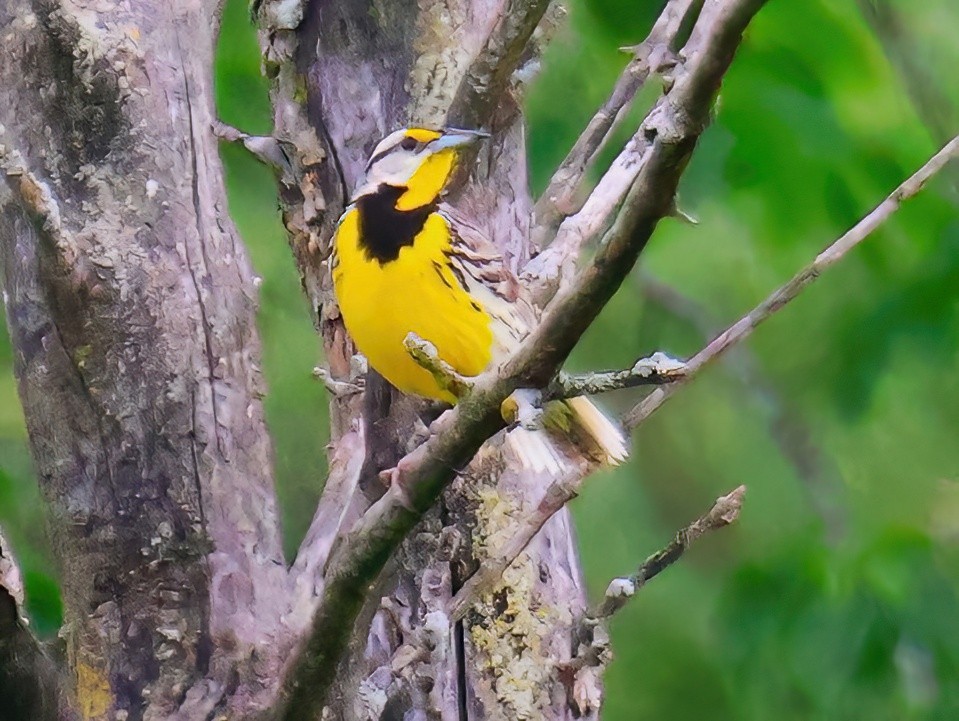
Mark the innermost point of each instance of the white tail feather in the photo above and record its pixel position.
(603, 432)
(538, 452)
(535, 450)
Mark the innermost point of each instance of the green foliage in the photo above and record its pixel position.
(795, 613)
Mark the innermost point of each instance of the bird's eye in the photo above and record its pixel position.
(409, 143)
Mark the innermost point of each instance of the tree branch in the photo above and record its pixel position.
(489, 74)
(723, 512)
(744, 327)
(674, 126)
(657, 369)
(32, 687)
(655, 54)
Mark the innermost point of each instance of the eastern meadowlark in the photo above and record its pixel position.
(405, 263)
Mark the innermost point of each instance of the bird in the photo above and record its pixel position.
(404, 261)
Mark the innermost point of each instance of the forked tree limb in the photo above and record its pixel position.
(674, 126)
(655, 54)
(565, 489)
(550, 271)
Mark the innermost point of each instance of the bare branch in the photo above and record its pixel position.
(657, 369)
(32, 688)
(654, 55)
(723, 512)
(489, 74)
(674, 126)
(744, 327)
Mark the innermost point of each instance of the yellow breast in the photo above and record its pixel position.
(417, 292)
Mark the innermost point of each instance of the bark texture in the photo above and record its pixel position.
(131, 306)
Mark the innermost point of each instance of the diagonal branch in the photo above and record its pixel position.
(654, 55)
(32, 688)
(744, 327)
(489, 74)
(674, 127)
(565, 489)
(657, 369)
(722, 513)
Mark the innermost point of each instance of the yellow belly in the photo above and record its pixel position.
(416, 293)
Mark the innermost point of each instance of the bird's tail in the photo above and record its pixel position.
(592, 428)
(577, 419)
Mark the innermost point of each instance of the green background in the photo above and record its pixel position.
(835, 597)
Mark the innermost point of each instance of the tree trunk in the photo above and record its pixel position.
(131, 306)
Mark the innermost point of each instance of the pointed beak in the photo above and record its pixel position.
(456, 138)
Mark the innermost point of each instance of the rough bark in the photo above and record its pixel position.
(131, 306)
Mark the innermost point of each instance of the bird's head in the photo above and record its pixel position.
(416, 161)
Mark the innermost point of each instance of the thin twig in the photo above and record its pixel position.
(657, 369)
(723, 512)
(744, 327)
(654, 55)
